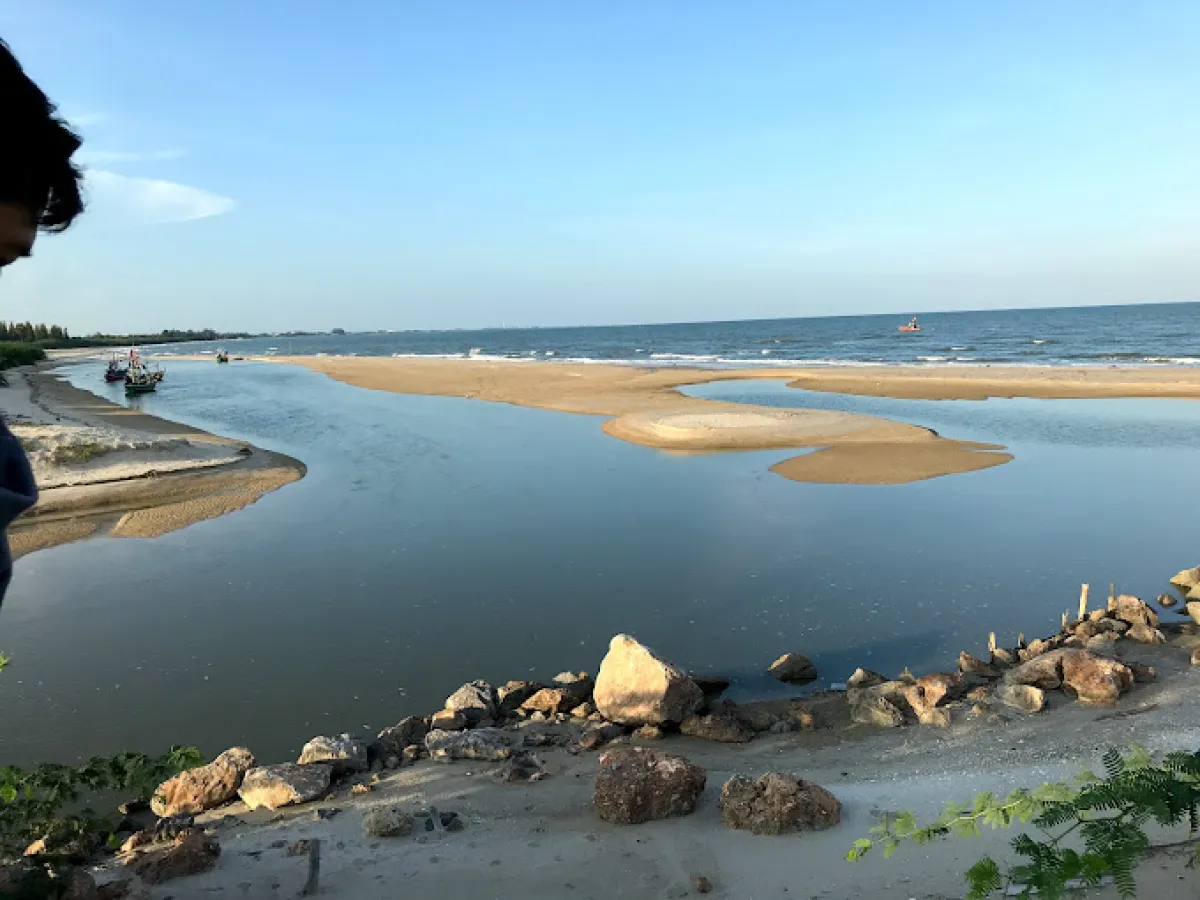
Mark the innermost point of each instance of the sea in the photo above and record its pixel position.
(1160, 334)
(437, 540)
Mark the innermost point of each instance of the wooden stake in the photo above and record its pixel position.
(1064, 622)
(1021, 640)
(1112, 596)
(314, 868)
(992, 642)
(1083, 598)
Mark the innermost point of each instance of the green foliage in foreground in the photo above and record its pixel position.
(1105, 818)
(14, 354)
(33, 802)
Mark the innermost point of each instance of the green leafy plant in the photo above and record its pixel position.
(1081, 833)
(33, 803)
(4, 662)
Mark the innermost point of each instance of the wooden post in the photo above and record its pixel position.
(992, 642)
(1112, 596)
(1083, 598)
(1064, 622)
(314, 868)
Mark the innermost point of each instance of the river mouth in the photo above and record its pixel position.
(437, 540)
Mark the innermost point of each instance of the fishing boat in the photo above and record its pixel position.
(911, 326)
(141, 379)
(118, 367)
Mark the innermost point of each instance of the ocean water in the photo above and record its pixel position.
(1167, 334)
(438, 540)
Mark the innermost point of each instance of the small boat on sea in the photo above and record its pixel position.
(118, 366)
(141, 379)
(911, 326)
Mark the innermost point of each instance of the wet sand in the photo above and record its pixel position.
(150, 504)
(645, 407)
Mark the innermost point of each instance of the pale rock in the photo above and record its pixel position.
(793, 667)
(1166, 600)
(864, 678)
(284, 785)
(636, 687)
(490, 744)
(447, 720)
(970, 665)
(386, 821)
(1024, 697)
(343, 754)
(203, 788)
(405, 733)
(512, 694)
(1187, 579)
(476, 700)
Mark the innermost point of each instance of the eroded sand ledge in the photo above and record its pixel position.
(645, 407)
(147, 505)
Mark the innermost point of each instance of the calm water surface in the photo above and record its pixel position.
(438, 540)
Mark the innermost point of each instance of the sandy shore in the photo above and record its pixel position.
(107, 470)
(544, 841)
(643, 406)
(982, 382)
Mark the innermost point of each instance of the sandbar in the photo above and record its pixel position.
(107, 470)
(644, 406)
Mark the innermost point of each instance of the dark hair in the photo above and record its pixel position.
(36, 146)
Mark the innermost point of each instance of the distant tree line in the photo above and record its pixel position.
(54, 337)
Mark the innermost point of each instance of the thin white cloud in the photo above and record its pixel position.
(125, 200)
(113, 157)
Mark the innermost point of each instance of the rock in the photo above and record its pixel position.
(793, 667)
(636, 687)
(803, 719)
(204, 788)
(1187, 579)
(520, 767)
(192, 853)
(864, 678)
(490, 744)
(655, 732)
(1043, 671)
(361, 789)
(596, 736)
(702, 885)
(871, 706)
(1145, 634)
(552, 701)
(512, 694)
(979, 694)
(636, 784)
(584, 710)
(970, 665)
(476, 700)
(1196, 657)
(1034, 650)
(783, 726)
(1166, 600)
(1193, 595)
(777, 802)
(1103, 644)
(343, 754)
(447, 720)
(723, 726)
(1003, 658)
(392, 741)
(1024, 697)
(1142, 674)
(580, 684)
(755, 716)
(1193, 609)
(413, 753)
(1134, 611)
(1092, 679)
(284, 785)
(386, 821)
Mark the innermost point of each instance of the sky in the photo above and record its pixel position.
(305, 164)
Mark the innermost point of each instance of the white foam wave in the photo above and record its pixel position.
(932, 358)
(1039, 342)
(1173, 360)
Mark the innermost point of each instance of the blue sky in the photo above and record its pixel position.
(298, 164)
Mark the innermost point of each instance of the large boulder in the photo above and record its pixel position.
(405, 733)
(793, 667)
(1187, 579)
(636, 687)
(1134, 611)
(207, 787)
(1092, 679)
(343, 754)
(192, 853)
(490, 744)
(635, 784)
(284, 784)
(477, 701)
(777, 802)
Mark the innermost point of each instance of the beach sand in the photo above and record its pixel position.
(544, 841)
(644, 407)
(107, 470)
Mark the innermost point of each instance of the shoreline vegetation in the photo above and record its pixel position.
(105, 470)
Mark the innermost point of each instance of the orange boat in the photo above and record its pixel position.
(911, 326)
